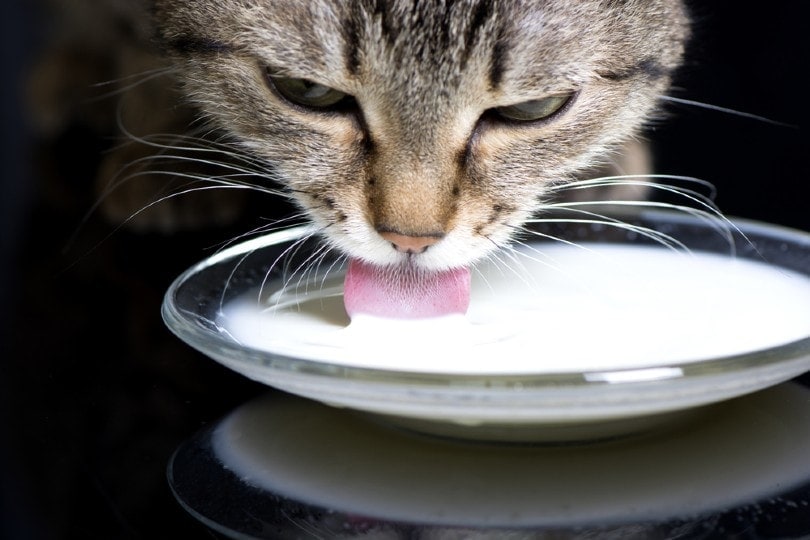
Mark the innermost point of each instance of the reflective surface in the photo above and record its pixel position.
(283, 467)
(96, 395)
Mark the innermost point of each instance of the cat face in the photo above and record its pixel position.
(425, 132)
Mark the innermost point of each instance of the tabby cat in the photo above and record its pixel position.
(424, 132)
(410, 132)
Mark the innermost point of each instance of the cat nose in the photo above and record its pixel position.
(406, 243)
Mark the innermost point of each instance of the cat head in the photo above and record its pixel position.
(419, 131)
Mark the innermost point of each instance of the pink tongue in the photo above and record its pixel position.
(395, 294)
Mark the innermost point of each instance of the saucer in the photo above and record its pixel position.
(536, 404)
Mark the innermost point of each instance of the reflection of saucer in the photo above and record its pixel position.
(281, 463)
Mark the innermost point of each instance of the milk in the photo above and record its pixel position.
(559, 308)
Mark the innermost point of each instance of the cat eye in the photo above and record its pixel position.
(305, 92)
(536, 109)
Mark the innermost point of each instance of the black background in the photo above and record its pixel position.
(95, 394)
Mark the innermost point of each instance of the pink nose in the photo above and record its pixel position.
(410, 244)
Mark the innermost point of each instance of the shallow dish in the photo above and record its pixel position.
(586, 401)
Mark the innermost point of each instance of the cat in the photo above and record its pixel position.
(424, 133)
(410, 132)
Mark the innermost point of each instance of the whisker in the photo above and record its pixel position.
(286, 275)
(643, 180)
(545, 259)
(141, 78)
(230, 277)
(656, 236)
(521, 271)
(305, 267)
(338, 261)
(192, 144)
(497, 262)
(706, 210)
(228, 165)
(198, 145)
(289, 251)
(178, 194)
(547, 236)
(483, 276)
(229, 180)
(234, 155)
(726, 110)
(233, 271)
(261, 170)
(274, 226)
(135, 214)
(721, 225)
(211, 183)
(314, 268)
(123, 78)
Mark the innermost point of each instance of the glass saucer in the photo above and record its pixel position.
(533, 405)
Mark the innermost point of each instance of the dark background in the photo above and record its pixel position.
(95, 394)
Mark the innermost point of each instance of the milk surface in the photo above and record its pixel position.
(554, 309)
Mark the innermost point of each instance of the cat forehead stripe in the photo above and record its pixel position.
(448, 31)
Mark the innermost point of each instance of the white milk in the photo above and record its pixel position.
(592, 307)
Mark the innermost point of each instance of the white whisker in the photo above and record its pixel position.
(230, 277)
(482, 275)
(286, 275)
(529, 249)
(704, 207)
(550, 236)
(139, 79)
(338, 261)
(656, 236)
(305, 267)
(716, 221)
(274, 226)
(725, 110)
(289, 251)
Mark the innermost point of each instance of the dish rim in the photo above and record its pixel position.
(185, 325)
